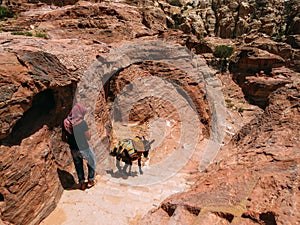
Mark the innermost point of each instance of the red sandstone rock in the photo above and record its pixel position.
(250, 60)
(255, 179)
(258, 89)
(259, 73)
(36, 94)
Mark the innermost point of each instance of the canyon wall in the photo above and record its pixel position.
(36, 94)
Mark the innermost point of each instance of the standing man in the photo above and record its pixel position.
(77, 134)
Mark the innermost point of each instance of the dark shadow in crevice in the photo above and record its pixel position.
(33, 119)
(1, 198)
(193, 210)
(228, 216)
(66, 179)
(169, 208)
(268, 218)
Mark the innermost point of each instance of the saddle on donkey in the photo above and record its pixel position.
(129, 150)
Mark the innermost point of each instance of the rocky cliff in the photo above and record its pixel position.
(47, 47)
(36, 93)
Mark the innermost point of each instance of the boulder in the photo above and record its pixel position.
(284, 50)
(154, 19)
(258, 89)
(251, 60)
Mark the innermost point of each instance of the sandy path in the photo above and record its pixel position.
(111, 202)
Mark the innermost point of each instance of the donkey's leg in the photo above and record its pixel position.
(140, 166)
(118, 163)
(130, 165)
(125, 168)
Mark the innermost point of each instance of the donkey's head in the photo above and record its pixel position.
(147, 144)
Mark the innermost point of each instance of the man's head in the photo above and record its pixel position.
(77, 114)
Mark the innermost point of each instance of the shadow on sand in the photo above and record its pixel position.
(121, 174)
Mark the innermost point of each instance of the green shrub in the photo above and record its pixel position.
(240, 110)
(41, 34)
(223, 51)
(26, 33)
(17, 32)
(30, 34)
(4, 12)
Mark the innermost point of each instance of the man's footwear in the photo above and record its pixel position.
(83, 186)
(91, 183)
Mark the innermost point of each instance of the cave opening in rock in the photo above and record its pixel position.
(228, 216)
(169, 208)
(268, 218)
(1, 198)
(193, 210)
(38, 115)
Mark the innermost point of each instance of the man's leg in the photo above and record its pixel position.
(89, 155)
(78, 163)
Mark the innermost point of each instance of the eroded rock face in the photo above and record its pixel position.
(37, 94)
(288, 52)
(159, 108)
(50, 2)
(107, 22)
(59, 3)
(259, 73)
(243, 187)
(25, 74)
(251, 60)
(228, 19)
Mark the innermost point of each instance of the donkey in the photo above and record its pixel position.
(127, 151)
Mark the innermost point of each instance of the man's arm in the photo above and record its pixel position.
(88, 134)
(64, 135)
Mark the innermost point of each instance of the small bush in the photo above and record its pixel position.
(41, 34)
(30, 34)
(223, 51)
(240, 110)
(4, 12)
(26, 33)
(17, 32)
(230, 105)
